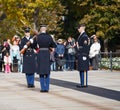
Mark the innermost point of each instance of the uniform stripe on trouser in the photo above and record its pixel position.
(85, 78)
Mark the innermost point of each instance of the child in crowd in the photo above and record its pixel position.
(7, 63)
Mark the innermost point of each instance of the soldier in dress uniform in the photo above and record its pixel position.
(29, 57)
(83, 56)
(45, 43)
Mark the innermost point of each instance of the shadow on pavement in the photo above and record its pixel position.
(106, 93)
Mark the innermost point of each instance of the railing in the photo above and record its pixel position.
(107, 60)
(111, 59)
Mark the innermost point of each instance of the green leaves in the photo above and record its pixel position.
(100, 16)
(20, 13)
(104, 15)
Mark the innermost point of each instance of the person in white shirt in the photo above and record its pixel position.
(94, 53)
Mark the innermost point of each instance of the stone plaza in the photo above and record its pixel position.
(102, 93)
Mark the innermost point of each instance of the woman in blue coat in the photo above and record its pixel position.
(45, 43)
(59, 54)
(29, 58)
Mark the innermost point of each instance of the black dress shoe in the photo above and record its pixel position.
(80, 86)
(31, 86)
(46, 91)
(42, 90)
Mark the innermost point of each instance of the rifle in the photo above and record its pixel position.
(28, 43)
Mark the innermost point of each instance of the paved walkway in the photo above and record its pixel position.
(103, 92)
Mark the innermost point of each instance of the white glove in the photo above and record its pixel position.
(25, 46)
(31, 41)
(84, 58)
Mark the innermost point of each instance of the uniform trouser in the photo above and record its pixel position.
(30, 78)
(84, 78)
(45, 82)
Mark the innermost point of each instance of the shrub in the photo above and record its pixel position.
(105, 63)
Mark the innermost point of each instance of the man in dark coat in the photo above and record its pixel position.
(5, 48)
(1, 57)
(45, 43)
(29, 58)
(83, 56)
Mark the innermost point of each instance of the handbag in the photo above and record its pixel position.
(71, 51)
(52, 58)
(61, 61)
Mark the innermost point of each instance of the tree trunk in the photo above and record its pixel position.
(106, 45)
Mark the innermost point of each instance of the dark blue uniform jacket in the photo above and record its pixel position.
(83, 52)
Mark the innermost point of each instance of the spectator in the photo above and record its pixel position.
(1, 57)
(94, 53)
(15, 56)
(17, 60)
(5, 48)
(7, 63)
(52, 57)
(65, 56)
(70, 47)
(59, 54)
(16, 39)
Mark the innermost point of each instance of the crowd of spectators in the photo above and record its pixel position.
(66, 54)
(64, 57)
(10, 58)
